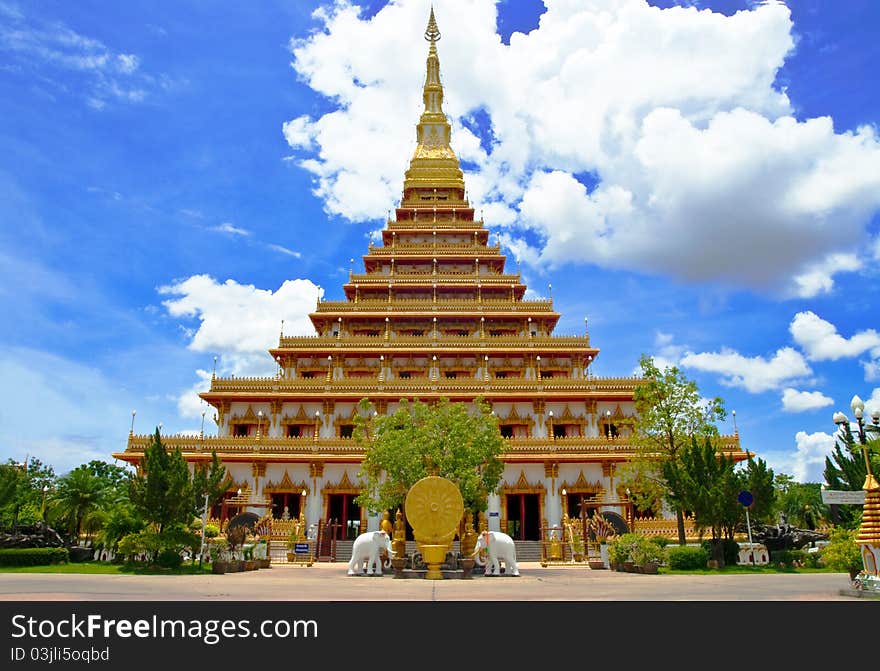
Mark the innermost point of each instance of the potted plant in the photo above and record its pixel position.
(219, 563)
(647, 555)
(250, 564)
(236, 537)
(261, 554)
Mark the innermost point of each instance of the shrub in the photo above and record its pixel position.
(686, 558)
(787, 558)
(647, 550)
(635, 548)
(169, 558)
(212, 531)
(662, 541)
(621, 548)
(33, 556)
(842, 552)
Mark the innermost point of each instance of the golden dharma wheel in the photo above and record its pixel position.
(434, 507)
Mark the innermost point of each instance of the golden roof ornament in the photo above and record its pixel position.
(434, 164)
(432, 33)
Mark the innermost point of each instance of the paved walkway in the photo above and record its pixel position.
(329, 582)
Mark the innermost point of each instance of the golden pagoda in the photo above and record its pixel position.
(434, 314)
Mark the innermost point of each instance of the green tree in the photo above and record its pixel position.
(23, 490)
(704, 481)
(758, 479)
(78, 496)
(163, 493)
(670, 413)
(801, 503)
(845, 470)
(420, 440)
(209, 480)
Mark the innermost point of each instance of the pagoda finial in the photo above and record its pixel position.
(432, 33)
(434, 164)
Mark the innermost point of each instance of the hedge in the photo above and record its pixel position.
(686, 558)
(33, 556)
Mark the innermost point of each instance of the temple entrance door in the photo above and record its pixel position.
(343, 509)
(523, 517)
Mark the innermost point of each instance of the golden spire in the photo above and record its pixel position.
(432, 32)
(433, 164)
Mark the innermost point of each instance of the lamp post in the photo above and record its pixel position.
(43, 503)
(869, 531)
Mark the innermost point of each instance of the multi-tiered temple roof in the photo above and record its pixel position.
(436, 313)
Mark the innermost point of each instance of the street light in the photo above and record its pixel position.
(869, 532)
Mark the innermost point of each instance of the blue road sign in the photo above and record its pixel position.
(745, 498)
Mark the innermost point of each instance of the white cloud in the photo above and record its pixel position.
(284, 250)
(239, 322)
(52, 46)
(804, 401)
(821, 342)
(754, 374)
(808, 461)
(226, 227)
(190, 405)
(674, 110)
(819, 277)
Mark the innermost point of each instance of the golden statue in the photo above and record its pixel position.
(385, 525)
(555, 546)
(398, 543)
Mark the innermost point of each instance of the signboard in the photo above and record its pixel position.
(494, 514)
(745, 498)
(843, 497)
(301, 548)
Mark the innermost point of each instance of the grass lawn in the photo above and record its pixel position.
(106, 568)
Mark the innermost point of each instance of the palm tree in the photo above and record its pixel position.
(78, 499)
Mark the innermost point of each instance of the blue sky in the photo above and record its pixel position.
(700, 180)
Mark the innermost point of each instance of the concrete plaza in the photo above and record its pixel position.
(329, 582)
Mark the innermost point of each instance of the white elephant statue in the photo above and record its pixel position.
(366, 551)
(500, 548)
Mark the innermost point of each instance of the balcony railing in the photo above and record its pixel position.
(427, 386)
(513, 447)
(428, 340)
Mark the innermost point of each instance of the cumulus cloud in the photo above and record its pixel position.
(819, 277)
(821, 342)
(804, 401)
(238, 320)
(702, 172)
(754, 374)
(238, 323)
(808, 461)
